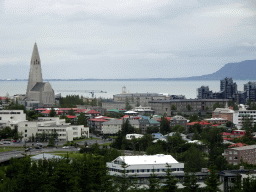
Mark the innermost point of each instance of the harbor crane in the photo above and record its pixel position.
(84, 91)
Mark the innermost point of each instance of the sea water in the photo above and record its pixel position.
(187, 88)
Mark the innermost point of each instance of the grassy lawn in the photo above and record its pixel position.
(4, 149)
(113, 137)
(106, 144)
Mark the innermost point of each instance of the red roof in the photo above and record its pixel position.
(125, 116)
(46, 111)
(80, 110)
(225, 133)
(238, 145)
(41, 109)
(71, 116)
(199, 122)
(98, 120)
(168, 118)
(92, 112)
(67, 109)
(226, 138)
(2, 98)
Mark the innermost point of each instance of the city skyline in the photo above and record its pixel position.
(125, 39)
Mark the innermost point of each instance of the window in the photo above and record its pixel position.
(26, 135)
(26, 125)
(230, 152)
(26, 130)
(230, 158)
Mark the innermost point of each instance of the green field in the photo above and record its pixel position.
(5, 149)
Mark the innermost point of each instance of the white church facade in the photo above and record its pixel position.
(39, 93)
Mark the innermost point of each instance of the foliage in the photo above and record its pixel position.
(189, 107)
(127, 104)
(194, 160)
(190, 182)
(217, 105)
(212, 181)
(193, 118)
(7, 132)
(164, 125)
(173, 107)
(71, 101)
(81, 120)
(153, 129)
(52, 113)
(154, 183)
(170, 181)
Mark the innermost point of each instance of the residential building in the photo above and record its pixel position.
(228, 87)
(195, 105)
(178, 120)
(235, 155)
(224, 113)
(111, 127)
(250, 89)
(145, 123)
(66, 132)
(219, 121)
(11, 118)
(96, 123)
(242, 115)
(144, 110)
(204, 93)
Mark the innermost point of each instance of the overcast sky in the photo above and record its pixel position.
(125, 38)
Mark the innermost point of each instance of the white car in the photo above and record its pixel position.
(66, 147)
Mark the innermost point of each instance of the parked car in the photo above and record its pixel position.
(1, 143)
(37, 147)
(7, 142)
(110, 139)
(66, 147)
(28, 149)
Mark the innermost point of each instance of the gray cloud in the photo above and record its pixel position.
(128, 38)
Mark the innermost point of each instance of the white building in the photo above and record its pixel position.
(112, 126)
(133, 136)
(11, 118)
(66, 132)
(239, 115)
(144, 165)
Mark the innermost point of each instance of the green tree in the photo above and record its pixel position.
(212, 181)
(173, 107)
(190, 182)
(170, 181)
(154, 184)
(52, 113)
(164, 125)
(193, 118)
(127, 104)
(71, 112)
(194, 160)
(81, 119)
(189, 108)
(217, 105)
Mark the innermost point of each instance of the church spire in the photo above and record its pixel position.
(35, 73)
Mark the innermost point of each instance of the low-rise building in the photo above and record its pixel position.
(144, 165)
(224, 113)
(65, 131)
(11, 118)
(112, 126)
(178, 120)
(246, 153)
(218, 121)
(133, 136)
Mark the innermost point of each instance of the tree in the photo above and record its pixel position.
(154, 184)
(170, 181)
(127, 104)
(71, 112)
(164, 125)
(217, 105)
(190, 182)
(189, 107)
(173, 107)
(212, 181)
(81, 119)
(52, 113)
(194, 159)
(229, 124)
(221, 163)
(193, 118)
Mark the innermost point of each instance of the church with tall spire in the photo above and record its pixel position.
(39, 93)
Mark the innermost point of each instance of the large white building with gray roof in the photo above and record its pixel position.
(144, 164)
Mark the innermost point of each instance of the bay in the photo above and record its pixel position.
(187, 88)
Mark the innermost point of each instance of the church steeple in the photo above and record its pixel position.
(35, 73)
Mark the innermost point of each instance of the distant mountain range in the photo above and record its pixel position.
(245, 70)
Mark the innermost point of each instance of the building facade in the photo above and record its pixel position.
(11, 118)
(196, 105)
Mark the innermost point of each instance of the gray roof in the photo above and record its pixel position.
(38, 86)
(244, 148)
(45, 156)
(113, 122)
(133, 122)
(178, 117)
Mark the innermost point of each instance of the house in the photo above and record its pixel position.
(236, 154)
(112, 126)
(224, 113)
(178, 120)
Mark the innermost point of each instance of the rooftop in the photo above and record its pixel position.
(244, 148)
(148, 159)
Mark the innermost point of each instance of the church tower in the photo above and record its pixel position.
(35, 73)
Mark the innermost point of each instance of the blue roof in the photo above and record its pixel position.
(145, 117)
(157, 135)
